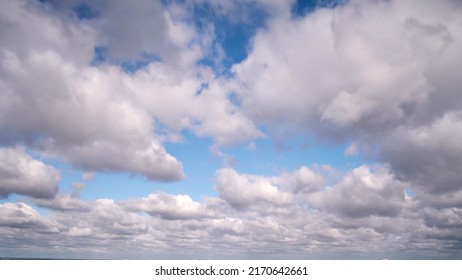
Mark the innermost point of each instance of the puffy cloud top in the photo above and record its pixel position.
(243, 191)
(169, 206)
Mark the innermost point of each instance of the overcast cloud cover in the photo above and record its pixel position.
(103, 88)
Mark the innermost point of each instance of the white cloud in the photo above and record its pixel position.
(194, 100)
(330, 70)
(82, 114)
(378, 73)
(90, 123)
(169, 206)
(244, 191)
(363, 215)
(22, 174)
(363, 67)
(362, 193)
(101, 118)
(63, 202)
(80, 232)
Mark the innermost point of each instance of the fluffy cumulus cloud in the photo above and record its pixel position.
(168, 206)
(378, 73)
(246, 190)
(22, 174)
(363, 193)
(109, 86)
(101, 117)
(367, 71)
(243, 191)
(348, 67)
(57, 104)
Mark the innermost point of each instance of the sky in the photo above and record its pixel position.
(231, 129)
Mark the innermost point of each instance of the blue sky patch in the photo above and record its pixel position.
(85, 12)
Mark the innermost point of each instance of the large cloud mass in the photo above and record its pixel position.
(380, 73)
(365, 65)
(55, 103)
(365, 214)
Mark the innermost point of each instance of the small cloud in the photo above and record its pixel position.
(351, 150)
(87, 176)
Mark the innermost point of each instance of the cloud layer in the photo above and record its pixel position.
(365, 214)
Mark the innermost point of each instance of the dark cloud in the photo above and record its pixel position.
(428, 155)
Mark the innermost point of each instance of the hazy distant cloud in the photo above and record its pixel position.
(103, 216)
(63, 202)
(22, 174)
(112, 219)
(363, 214)
(88, 122)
